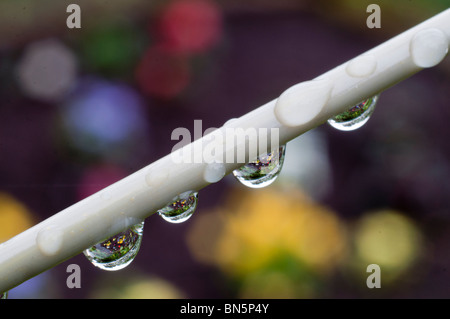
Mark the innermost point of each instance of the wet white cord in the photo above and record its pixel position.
(299, 109)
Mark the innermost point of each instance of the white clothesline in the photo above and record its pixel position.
(297, 110)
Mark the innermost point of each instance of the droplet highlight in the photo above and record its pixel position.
(263, 171)
(355, 117)
(118, 251)
(180, 208)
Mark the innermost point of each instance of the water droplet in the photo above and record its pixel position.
(156, 176)
(180, 208)
(355, 117)
(229, 121)
(105, 195)
(118, 251)
(49, 240)
(214, 172)
(361, 66)
(4, 295)
(263, 171)
(302, 102)
(428, 47)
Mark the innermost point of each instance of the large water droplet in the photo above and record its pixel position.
(180, 208)
(263, 171)
(355, 117)
(429, 47)
(214, 172)
(302, 102)
(118, 251)
(4, 295)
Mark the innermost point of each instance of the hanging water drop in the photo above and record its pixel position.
(118, 251)
(355, 117)
(263, 171)
(180, 208)
(4, 295)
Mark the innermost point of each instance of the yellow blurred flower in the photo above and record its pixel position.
(389, 239)
(135, 287)
(272, 233)
(272, 285)
(14, 217)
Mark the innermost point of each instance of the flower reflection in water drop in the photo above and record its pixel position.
(181, 208)
(263, 171)
(118, 251)
(355, 117)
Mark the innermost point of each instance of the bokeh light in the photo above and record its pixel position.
(389, 239)
(47, 70)
(163, 74)
(104, 118)
(307, 164)
(15, 217)
(42, 286)
(190, 26)
(112, 49)
(281, 234)
(82, 108)
(135, 286)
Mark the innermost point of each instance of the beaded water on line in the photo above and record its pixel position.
(355, 117)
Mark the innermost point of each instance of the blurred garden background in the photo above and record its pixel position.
(82, 108)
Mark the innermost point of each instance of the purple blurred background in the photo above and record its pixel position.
(82, 108)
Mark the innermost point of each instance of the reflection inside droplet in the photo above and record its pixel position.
(355, 117)
(263, 171)
(118, 251)
(180, 208)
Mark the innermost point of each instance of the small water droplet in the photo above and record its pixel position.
(49, 240)
(180, 208)
(229, 121)
(355, 117)
(4, 295)
(362, 66)
(105, 195)
(156, 177)
(118, 251)
(263, 171)
(214, 172)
